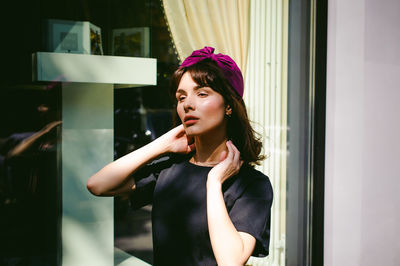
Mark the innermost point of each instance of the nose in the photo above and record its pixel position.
(189, 104)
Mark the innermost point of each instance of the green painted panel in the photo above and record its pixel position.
(87, 145)
(87, 105)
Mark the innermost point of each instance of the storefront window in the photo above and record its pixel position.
(31, 134)
(55, 132)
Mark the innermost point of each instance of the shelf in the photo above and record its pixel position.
(64, 67)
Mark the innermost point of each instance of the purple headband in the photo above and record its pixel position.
(231, 71)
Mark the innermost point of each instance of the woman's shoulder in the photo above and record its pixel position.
(249, 185)
(256, 182)
(253, 175)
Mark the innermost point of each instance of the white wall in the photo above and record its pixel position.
(362, 190)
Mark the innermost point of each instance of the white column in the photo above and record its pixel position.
(87, 145)
(87, 222)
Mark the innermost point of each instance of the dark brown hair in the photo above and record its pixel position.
(206, 73)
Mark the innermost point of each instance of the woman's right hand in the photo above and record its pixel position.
(116, 177)
(177, 141)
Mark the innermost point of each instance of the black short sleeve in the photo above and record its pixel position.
(251, 213)
(145, 179)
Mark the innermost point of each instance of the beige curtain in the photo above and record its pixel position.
(222, 24)
(266, 99)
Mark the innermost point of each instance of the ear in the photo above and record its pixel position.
(228, 110)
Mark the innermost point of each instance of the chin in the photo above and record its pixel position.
(197, 130)
(190, 131)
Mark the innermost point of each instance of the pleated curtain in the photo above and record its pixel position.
(222, 24)
(255, 34)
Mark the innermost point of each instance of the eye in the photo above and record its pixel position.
(180, 98)
(202, 94)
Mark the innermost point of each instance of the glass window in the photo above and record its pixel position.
(33, 135)
(31, 175)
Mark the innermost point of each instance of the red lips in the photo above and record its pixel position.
(190, 120)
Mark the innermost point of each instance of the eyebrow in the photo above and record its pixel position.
(195, 88)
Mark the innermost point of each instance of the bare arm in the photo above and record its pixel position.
(230, 247)
(28, 142)
(116, 177)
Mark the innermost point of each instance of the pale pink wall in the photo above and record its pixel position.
(362, 191)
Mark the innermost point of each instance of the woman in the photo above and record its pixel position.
(209, 204)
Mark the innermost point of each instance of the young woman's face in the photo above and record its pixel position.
(201, 109)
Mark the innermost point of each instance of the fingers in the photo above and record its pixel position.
(179, 130)
(191, 147)
(235, 155)
(230, 150)
(229, 165)
(191, 144)
(236, 152)
(223, 156)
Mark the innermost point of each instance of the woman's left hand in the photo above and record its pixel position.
(228, 166)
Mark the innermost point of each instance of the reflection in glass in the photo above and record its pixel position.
(29, 205)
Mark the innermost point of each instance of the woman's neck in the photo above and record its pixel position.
(209, 149)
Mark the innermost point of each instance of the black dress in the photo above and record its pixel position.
(177, 190)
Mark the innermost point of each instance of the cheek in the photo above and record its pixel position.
(214, 108)
(180, 112)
